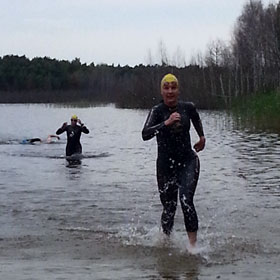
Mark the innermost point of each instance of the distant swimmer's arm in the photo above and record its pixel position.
(152, 127)
(62, 128)
(53, 136)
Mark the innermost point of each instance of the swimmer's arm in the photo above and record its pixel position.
(61, 129)
(198, 127)
(53, 136)
(151, 127)
(84, 129)
(196, 121)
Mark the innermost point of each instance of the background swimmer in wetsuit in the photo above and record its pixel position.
(31, 141)
(177, 163)
(74, 132)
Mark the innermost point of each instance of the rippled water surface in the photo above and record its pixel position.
(100, 219)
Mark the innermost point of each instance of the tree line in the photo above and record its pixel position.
(49, 80)
(247, 65)
(250, 63)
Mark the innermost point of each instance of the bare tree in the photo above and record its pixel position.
(149, 58)
(179, 58)
(163, 54)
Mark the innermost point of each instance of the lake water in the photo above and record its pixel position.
(101, 219)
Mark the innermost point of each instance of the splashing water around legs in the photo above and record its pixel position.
(181, 181)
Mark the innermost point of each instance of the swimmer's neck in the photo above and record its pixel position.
(171, 105)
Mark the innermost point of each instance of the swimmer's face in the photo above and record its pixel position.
(170, 92)
(74, 122)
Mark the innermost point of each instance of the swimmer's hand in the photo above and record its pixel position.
(64, 124)
(173, 118)
(199, 146)
(79, 121)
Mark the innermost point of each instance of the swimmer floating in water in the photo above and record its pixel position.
(49, 140)
(177, 163)
(74, 132)
(31, 141)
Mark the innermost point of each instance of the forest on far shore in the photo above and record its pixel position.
(247, 66)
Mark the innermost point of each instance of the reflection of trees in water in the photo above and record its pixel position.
(173, 265)
(249, 122)
(258, 159)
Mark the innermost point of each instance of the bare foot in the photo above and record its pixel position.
(192, 238)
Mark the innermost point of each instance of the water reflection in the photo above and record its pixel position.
(252, 125)
(251, 154)
(75, 163)
(172, 265)
(111, 197)
(259, 157)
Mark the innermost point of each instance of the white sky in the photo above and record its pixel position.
(114, 31)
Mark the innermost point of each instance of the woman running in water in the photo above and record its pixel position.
(74, 132)
(177, 162)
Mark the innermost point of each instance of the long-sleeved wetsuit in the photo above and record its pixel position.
(73, 138)
(177, 163)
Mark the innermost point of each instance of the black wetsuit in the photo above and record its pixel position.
(30, 141)
(73, 138)
(177, 163)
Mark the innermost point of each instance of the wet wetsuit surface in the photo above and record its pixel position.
(35, 140)
(177, 163)
(73, 138)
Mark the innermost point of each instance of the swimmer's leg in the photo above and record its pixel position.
(187, 186)
(168, 191)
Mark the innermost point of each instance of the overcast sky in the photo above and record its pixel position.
(114, 31)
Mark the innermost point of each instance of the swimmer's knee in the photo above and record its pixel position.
(186, 200)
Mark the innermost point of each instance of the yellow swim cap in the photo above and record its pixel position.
(74, 117)
(169, 78)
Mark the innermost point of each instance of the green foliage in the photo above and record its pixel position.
(259, 111)
(260, 105)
